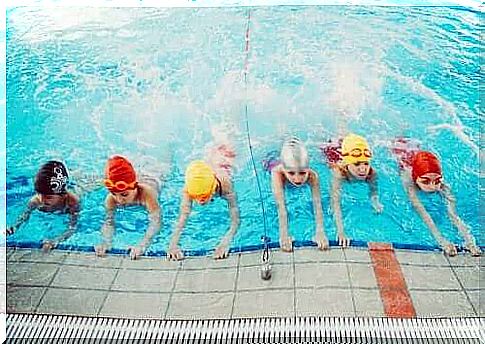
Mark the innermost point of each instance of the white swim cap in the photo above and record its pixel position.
(294, 155)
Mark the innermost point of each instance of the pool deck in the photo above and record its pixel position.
(338, 282)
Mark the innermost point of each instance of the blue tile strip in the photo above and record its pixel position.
(204, 252)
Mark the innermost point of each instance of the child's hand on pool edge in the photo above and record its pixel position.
(48, 245)
(343, 240)
(101, 249)
(222, 251)
(321, 240)
(474, 249)
(449, 249)
(175, 253)
(136, 251)
(286, 243)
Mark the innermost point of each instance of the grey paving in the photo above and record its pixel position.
(92, 260)
(68, 301)
(196, 306)
(477, 299)
(317, 275)
(201, 263)
(464, 259)
(137, 305)
(362, 275)
(210, 280)
(37, 256)
(357, 255)
(149, 263)
(34, 274)
(303, 255)
(250, 304)
(324, 302)
(144, 281)
(472, 277)
(368, 303)
(441, 303)
(434, 278)
(421, 258)
(255, 258)
(84, 277)
(24, 299)
(249, 278)
(337, 282)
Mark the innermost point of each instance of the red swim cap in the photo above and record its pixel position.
(119, 168)
(425, 162)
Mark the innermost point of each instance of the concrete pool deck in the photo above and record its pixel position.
(338, 282)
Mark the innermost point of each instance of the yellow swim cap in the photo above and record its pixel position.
(355, 149)
(200, 180)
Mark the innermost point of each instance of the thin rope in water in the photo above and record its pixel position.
(246, 62)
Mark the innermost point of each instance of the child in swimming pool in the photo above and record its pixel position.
(125, 189)
(51, 197)
(421, 171)
(349, 160)
(293, 168)
(205, 180)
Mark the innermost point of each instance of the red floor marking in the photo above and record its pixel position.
(392, 286)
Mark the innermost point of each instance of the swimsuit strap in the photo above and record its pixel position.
(219, 185)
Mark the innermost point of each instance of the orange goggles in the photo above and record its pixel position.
(119, 185)
(430, 181)
(357, 153)
(202, 198)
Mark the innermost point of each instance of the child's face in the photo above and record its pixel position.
(359, 170)
(429, 182)
(51, 200)
(125, 197)
(296, 177)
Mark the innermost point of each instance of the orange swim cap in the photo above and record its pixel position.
(119, 169)
(425, 162)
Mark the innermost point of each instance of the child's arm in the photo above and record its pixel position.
(31, 206)
(108, 227)
(458, 222)
(73, 211)
(373, 194)
(286, 242)
(320, 238)
(153, 227)
(174, 252)
(448, 247)
(336, 184)
(222, 250)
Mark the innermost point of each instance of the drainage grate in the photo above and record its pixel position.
(22, 328)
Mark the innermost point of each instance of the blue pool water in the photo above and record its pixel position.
(150, 83)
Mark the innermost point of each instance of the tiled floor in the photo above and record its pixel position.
(307, 282)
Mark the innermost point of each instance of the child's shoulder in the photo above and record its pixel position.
(72, 201)
(147, 189)
(148, 195)
(72, 198)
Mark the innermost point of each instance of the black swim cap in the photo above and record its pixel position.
(52, 178)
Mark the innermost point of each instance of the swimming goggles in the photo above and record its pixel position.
(429, 181)
(357, 153)
(119, 185)
(202, 199)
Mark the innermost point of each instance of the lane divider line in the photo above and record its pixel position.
(391, 282)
